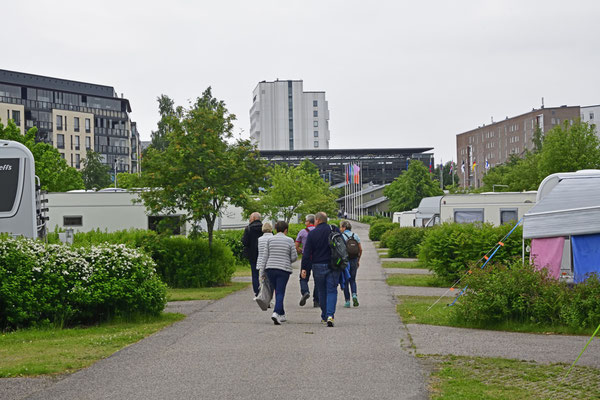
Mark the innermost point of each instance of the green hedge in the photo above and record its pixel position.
(56, 284)
(451, 249)
(370, 219)
(520, 293)
(403, 242)
(181, 262)
(380, 227)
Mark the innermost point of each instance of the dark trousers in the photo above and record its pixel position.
(327, 281)
(255, 282)
(279, 279)
(304, 286)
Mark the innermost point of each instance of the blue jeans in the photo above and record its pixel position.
(279, 279)
(327, 281)
(351, 284)
(304, 285)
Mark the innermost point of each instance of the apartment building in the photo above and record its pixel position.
(489, 145)
(73, 117)
(591, 115)
(285, 117)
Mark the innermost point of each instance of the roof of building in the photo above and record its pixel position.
(339, 152)
(374, 202)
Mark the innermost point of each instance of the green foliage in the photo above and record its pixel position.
(54, 173)
(295, 190)
(517, 292)
(403, 242)
(126, 180)
(378, 228)
(407, 190)
(233, 240)
(518, 174)
(451, 249)
(95, 174)
(370, 219)
(185, 263)
(166, 107)
(200, 171)
(447, 178)
(41, 284)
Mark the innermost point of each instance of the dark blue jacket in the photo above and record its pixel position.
(317, 250)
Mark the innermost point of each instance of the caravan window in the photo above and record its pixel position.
(509, 215)
(466, 216)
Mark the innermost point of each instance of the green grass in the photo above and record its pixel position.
(31, 352)
(416, 280)
(209, 293)
(404, 264)
(413, 310)
(470, 378)
(242, 270)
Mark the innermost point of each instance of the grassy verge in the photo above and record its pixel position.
(210, 293)
(470, 378)
(415, 280)
(242, 270)
(413, 310)
(403, 264)
(32, 352)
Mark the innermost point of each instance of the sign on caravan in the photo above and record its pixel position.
(17, 190)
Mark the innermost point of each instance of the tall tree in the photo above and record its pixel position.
(54, 173)
(295, 190)
(166, 108)
(407, 190)
(96, 175)
(126, 180)
(448, 179)
(202, 168)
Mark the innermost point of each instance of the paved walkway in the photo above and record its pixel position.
(229, 349)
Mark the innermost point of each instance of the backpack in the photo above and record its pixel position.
(339, 254)
(352, 247)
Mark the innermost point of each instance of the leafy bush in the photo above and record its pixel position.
(41, 284)
(185, 263)
(515, 292)
(581, 308)
(370, 219)
(378, 228)
(233, 240)
(403, 242)
(450, 249)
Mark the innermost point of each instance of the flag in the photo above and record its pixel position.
(346, 172)
(430, 165)
(463, 166)
(487, 164)
(356, 173)
(451, 167)
(474, 165)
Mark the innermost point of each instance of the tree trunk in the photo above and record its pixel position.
(210, 226)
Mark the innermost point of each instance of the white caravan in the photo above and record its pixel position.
(495, 208)
(405, 218)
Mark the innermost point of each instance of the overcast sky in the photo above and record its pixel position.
(395, 73)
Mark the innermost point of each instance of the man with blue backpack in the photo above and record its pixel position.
(325, 254)
(354, 249)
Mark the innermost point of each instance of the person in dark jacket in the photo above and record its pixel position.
(250, 241)
(317, 256)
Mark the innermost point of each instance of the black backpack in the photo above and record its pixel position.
(339, 254)
(352, 247)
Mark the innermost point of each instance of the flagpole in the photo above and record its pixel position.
(345, 189)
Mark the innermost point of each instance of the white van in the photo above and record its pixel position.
(496, 208)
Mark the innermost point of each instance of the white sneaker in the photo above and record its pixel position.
(282, 318)
(276, 318)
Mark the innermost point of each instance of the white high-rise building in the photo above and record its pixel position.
(285, 117)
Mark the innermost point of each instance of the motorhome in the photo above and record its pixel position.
(405, 218)
(496, 208)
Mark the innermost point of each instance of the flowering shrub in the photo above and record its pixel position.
(57, 284)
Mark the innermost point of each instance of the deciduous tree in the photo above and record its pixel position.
(407, 190)
(96, 175)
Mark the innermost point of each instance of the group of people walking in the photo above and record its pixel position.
(271, 257)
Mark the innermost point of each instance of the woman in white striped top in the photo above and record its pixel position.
(276, 261)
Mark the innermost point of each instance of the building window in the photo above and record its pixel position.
(59, 121)
(316, 143)
(507, 216)
(316, 133)
(87, 126)
(316, 124)
(77, 161)
(88, 143)
(591, 115)
(315, 103)
(73, 220)
(60, 141)
(467, 216)
(76, 124)
(315, 113)
(77, 143)
(16, 116)
(62, 155)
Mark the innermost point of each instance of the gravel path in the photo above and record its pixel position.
(229, 349)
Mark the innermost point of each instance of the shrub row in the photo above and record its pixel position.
(378, 228)
(403, 242)
(520, 293)
(181, 262)
(450, 249)
(56, 284)
(370, 219)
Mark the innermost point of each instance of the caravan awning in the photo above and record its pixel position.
(571, 208)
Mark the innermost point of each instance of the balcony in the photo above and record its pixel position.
(103, 149)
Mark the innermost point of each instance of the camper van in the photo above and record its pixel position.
(405, 218)
(496, 208)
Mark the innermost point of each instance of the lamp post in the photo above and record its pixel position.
(116, 161)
